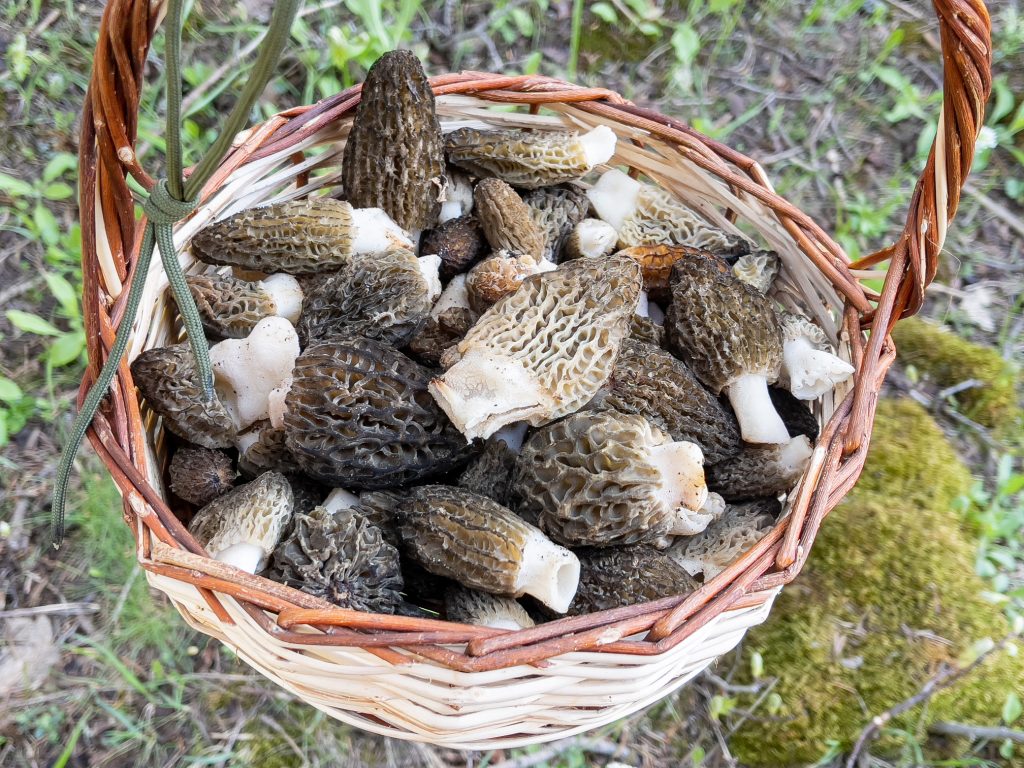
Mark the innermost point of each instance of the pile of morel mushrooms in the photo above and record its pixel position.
(577, 397)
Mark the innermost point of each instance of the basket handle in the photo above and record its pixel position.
(966, 34)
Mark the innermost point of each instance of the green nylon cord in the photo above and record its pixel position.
(169, 202)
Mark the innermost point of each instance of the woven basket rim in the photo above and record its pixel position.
(166, 550)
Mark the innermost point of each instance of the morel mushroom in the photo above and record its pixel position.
(490, 472)
(467, 537)
(394, 156)
(615, 577)
(591, 239)
(382, 297)
(650, 382)
(643, 329)
(758, 269)
(760, 470)
(727, 538)
(795, 414)
(248, 370)
(242, 527)
(459, 242)
(439, 334)
(358, 415)
(808, 366)
(168, 379)
(530, 159)
(603, 478)
(643, 214)
(469, 606)
(543, 351)
(230, 308)
(506, 220)
(200, 475)
(457, 197)
(656, 264)
(314, 234)
(556, 211)
(342, 558)
(498, 276)
(729, 335)
(262, 447)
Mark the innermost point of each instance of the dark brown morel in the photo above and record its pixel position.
(646, 330)
(394, 157)
(262, 447)
(341, 558)
(358, 415)
(167, 378)
(760, 470)
(614, 577)
(795, 414)
(729, 335)
(467, 537)
(460, 243)
(649, 381)
(439, 333)
(200, 475)
(556, 211)
(490, 472)
(384, 296)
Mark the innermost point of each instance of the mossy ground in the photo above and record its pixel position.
(947, 360)
(889, 594)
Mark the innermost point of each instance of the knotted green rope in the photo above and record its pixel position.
(169, 202)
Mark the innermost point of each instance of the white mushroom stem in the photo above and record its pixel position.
(758, 419)
(614, 197)
(375, 232)
(502, 622)
(483, 392)
(244, 556)
(339, 499)
(513, 435)
(458, 198)
(598, 145)
(793, 458)
(430, 266)
(593, 238)
(682, 487)
(246, 370)
(286, 294)
(247, 440)
(656, 313)
(548, 572)
(811, 372)
(454, 296)
(277, 404)
(643, 307)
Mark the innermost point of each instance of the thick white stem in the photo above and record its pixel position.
(759, 421)
(277, 404)
(483, 392)
(430, 266)
(286, 294)
(593, 239)
(643, 306)
(513, 435)
(548, 572)
(458, 198)
(244, 556)
(655, 312)
(794, 456)
(454, 295)
(598, 145)
(339, 499)
(376, 232)
(811, 372)
(614, 197)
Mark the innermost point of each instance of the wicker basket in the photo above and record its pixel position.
(469, 686)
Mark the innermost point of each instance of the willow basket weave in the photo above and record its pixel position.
(469, 686)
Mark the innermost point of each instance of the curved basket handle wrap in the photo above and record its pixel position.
(966, 34)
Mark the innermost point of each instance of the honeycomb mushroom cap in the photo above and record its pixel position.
(261, 448)
(614, 577)
(760, 470)
(496, 277)
(543, 351)
(168, 379)
(439, 334)
(359, 416)
(528, 159)
(313, 234)
(243, 526)
(656, 264)
(603, 478)
(342, 558)
(463, 536)
(489, 473)
(644, 330)
(758, 269)
(470, 606)
(727, 538)
(556, 211)
(200, 475)
(729, 335)
(394, 156)
(648, 381)
(460, 242)
(384, 296)
(506, 220)
(229, 308)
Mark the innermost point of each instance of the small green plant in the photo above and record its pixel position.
(382, 26)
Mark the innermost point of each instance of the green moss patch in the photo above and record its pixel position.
(947, 360)
(889, 594)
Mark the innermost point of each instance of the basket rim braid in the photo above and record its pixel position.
(455, 684)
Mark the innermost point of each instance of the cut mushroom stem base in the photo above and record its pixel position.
(759, 422)
(246, 557)
(548, 572)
